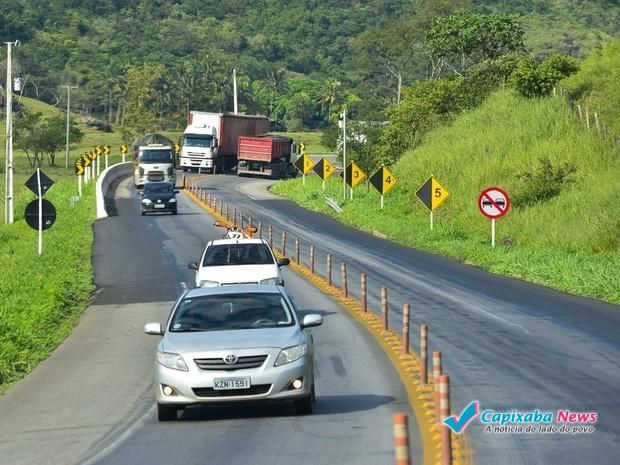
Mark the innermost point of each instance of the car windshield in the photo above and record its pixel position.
(158, 188)
(156, 156)
(238, 254)
(231, 311)
(197, 141)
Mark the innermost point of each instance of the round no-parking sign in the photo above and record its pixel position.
(493, 202)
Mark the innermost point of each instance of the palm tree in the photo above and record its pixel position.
(330, 96)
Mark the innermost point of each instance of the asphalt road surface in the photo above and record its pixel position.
(509, 344)
(92, 402)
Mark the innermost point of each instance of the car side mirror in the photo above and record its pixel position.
(284, 261)
(176, 191)
(154, 329)
(140, 192)
(193, 266)
(312, 320)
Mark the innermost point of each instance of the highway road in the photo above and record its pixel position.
(92, 402)
(509, 344)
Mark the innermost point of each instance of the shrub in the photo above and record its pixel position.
(543, 183)
(536, 80)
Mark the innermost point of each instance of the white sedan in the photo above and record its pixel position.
(238, 261)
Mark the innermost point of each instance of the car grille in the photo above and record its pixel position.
(155, 176)
(252, 391)
(252, 361)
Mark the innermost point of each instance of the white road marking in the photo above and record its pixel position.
(139, 423)
(242, 191)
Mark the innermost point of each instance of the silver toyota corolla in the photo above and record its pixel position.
(233, 344)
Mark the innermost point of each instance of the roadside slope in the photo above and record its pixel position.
(568, 241)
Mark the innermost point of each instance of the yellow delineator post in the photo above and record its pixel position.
(79, 171)
(106, 152)
(98, 151)
(123, 151)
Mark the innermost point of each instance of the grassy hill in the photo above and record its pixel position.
(597, 85)
(570, 241)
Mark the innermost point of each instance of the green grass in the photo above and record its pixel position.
(43, 296)
(597, 84)
(570, 242)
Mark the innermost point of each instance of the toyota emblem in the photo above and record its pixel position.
(230, 359)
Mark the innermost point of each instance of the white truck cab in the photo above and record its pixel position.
(155, 162)
(199, 143)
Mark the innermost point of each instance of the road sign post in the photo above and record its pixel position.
(98, 152)
(36, 210)
(304, 164)
(344, 152)
(383, 180)
(353, 175)
(432, 194)
(79, 171)
(123, 151)
(324, 169)
(493, 203)
(106, 152)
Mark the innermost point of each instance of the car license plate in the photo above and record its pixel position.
(160, 205)
(222, 384)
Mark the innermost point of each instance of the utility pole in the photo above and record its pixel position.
(69, 87)
(8, 173)
(344, 154)
(235, 90)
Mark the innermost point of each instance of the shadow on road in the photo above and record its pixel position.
(109, 197)
(325, 405)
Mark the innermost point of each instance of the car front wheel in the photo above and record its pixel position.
(166, 412)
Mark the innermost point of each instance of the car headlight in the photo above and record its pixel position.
(291, 354)
(147, 201)
(170, 360)
(273, 281)
(172, 200)
(207, 283)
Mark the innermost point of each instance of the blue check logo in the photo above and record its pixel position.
(467, 415)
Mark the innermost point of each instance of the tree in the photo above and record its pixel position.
(38, 137)
(391, 46)
(140, 117)
(537, 80)
(466, 38)
(55, 133)
(330, 96)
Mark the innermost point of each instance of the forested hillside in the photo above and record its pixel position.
(297, 61)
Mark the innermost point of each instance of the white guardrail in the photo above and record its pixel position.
(106, 178)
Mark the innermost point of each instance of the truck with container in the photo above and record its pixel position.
(266, 155)
(210, 140)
